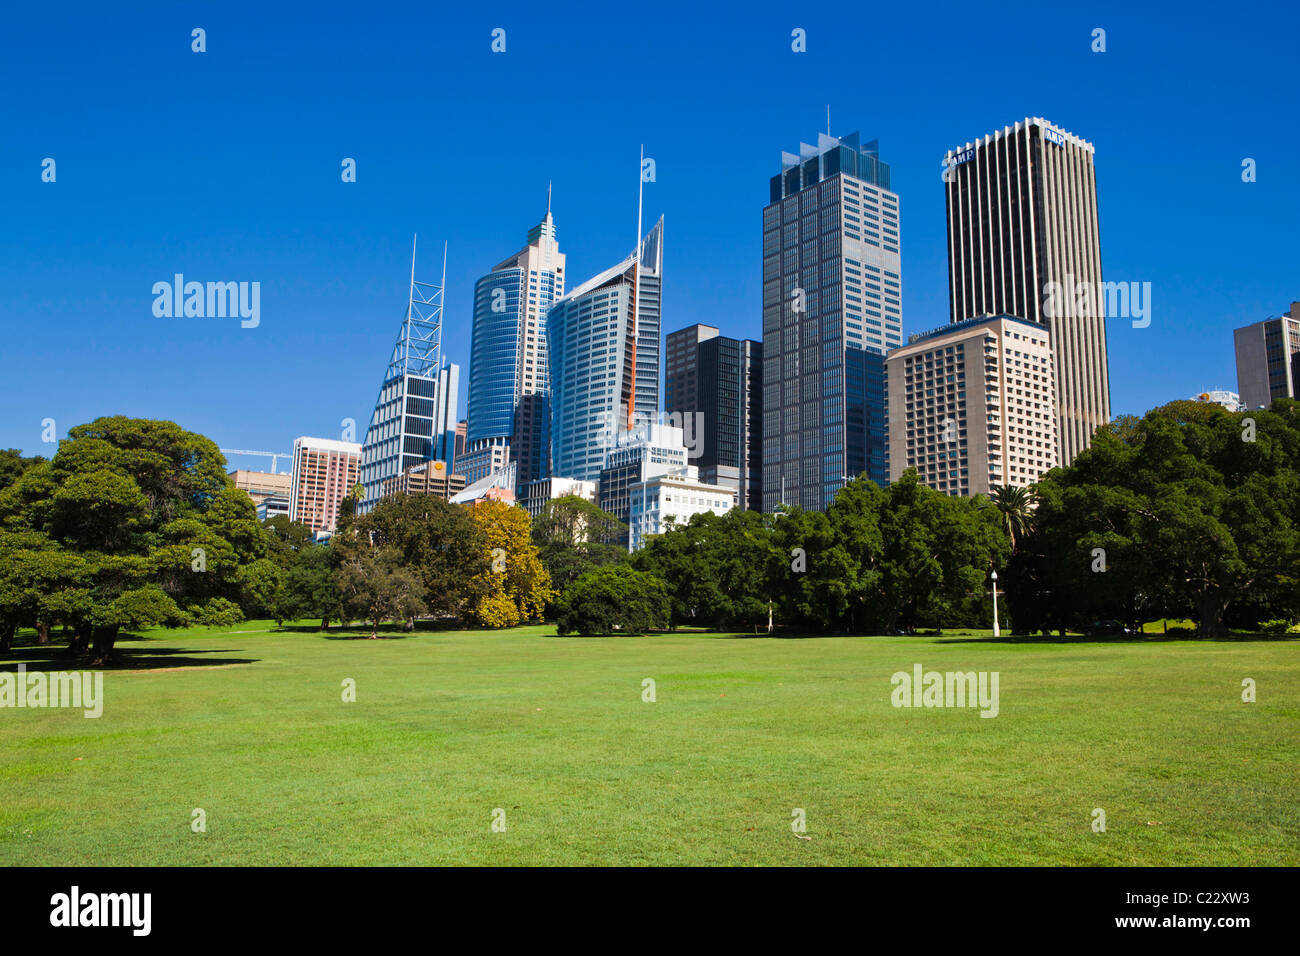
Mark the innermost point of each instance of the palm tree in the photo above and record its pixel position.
(1017, 508)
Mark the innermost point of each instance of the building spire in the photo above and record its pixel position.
(548, 197)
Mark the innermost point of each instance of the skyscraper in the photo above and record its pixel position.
(1268, 359)
(1023, 241)
(714, 391)
(604, 360)
(414, 420)
(832, 306)
(508, 373)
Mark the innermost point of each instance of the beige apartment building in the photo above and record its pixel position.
(972, 405)
(261, 485)
(324, 472)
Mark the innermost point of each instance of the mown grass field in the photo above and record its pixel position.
(248, 724)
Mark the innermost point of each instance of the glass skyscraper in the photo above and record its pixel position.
(414, 419)
(832, 308)
(602, 368)
(508, 378)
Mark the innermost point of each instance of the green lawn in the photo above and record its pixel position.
(248, 724)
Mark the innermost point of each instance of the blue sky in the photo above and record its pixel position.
(225, 165)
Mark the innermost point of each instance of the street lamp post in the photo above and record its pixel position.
(996, 631)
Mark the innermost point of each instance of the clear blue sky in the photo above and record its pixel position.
(226, 166)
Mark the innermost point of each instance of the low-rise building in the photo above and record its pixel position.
(537, 493)
(664, 501)
(272, 506)
(426, 478)
(261, 485)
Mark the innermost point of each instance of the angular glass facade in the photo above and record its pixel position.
(591, 346)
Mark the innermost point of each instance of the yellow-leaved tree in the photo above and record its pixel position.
(516, 586)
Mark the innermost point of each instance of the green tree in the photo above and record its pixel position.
(715, 568)
(1016, 506)
(377, 586)
(437, 540)
(574, 536)
(13, 464)
(883, 559)
(285, 539)
(309, 588)
(141, 511)
(613, 600)
(1190, 510)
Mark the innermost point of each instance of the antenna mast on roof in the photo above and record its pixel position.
(636, 286)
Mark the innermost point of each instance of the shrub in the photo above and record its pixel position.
(217, 612)
(613, 599)
(1275, 626)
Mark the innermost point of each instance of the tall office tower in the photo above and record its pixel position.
(1022, 241)
(508, 388)
(414, 420)
(1268, 359)
(831, 292)
(682, 366)
(714, 391)
(972, 405)
(324, 472)
(604, 359)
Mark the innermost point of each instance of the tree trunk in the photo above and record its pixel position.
(324, 624)
(43, 632)
(105, 638)
(7, 637)
(1209, 614)
(79, 640)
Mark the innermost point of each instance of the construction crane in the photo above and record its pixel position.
(273, 455)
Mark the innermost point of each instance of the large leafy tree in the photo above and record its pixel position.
(437, 540)
(516, 586)
(309, 588)
(715, 568)
(132, 523)
(285, 539)
(883, 559)
(376, 586)
(13, 464)
(1187, 511)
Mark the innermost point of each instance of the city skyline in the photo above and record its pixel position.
(330, 261)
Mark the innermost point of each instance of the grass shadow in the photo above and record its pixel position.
(56, 657)
(1117, 639)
